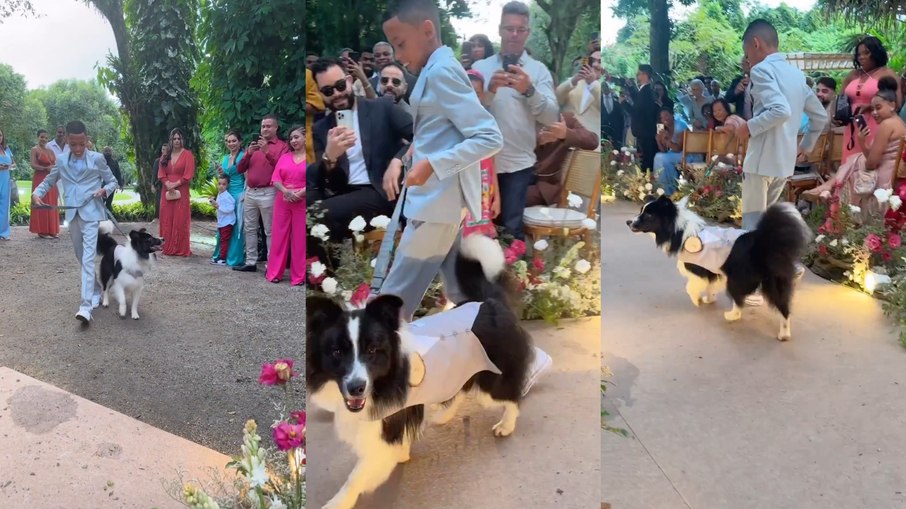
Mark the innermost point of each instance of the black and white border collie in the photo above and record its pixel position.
(765, 257)
(122, 268)
(358, 367)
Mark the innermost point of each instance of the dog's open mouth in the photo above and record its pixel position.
(355, 404)
(155, 249)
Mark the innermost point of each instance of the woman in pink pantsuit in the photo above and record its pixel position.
(288, 227)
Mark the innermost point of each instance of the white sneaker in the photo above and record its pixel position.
(541, 363)
(754, 300)
(83, 316)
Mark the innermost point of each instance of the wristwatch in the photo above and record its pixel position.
(530, 91)
(328, 161)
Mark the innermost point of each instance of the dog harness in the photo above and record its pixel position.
(710, 248)
(449, 352)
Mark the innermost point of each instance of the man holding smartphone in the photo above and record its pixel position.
(258, 167)
(520, 94)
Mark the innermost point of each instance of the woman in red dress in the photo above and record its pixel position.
(44, 223)
(176, 171)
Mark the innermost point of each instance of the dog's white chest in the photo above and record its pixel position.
(716, 244)
(450, 351)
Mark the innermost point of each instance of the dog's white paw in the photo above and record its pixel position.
(503, 429)
(733, 315)
(785, 333)
(709, 299)
(135, 316)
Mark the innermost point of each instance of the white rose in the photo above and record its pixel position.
(819, 238)
(546, 212)
(883, 195)
(317, 268)
(358, 224)
(582, 266)
(616, 152)
(642, 196)
(329, 285)
(359, 238)
(373, 262)
(833, 243)
(855, 210)
(574, 200)
(320, 231)
(730, 156)
(641, 189)
(541, 245)
(620, 173)
(649, 187)
(660, 192)
(589, 223)
(625, 150)
(895, 202)
(714, 157)
(845, 242)
(380, 222)
(613, 163)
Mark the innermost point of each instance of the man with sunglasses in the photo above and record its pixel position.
(519, 96)
(356, 172)
(383, 56)
(581, 94)
(393, 86)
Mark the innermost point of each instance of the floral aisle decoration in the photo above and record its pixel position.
(265, 478)
(714, 190)
(624, 179)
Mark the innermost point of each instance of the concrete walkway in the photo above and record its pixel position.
(550, 461)
(725, 416)
(58, 450)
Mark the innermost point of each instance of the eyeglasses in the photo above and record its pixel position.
(396, 81)
(514, 30)
(339, 86)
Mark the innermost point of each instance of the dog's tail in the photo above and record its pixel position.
(781, 236)
(480, 266)
(105, 239)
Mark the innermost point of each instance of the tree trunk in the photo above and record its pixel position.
(659, 37)
(563, 22)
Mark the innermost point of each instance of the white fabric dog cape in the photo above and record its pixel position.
(712, 249)
(450, 352)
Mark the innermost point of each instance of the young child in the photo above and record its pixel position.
(226, 218)
(490, 192)
(453, 132)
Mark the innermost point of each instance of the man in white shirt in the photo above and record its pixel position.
(519, 97)
(581, 94)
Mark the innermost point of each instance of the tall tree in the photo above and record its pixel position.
(21, 115)
(9, 8)
(660, 27)
(562, 29)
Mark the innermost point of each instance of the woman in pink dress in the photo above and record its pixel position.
(288, 226)
(861, 86)
(175, 174)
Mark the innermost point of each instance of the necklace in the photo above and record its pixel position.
(863, 79)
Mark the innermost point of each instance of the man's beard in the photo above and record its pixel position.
(825, 103)
(392, 94)
(350, 97)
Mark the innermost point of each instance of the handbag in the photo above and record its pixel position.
(864, 181)
(173, 195)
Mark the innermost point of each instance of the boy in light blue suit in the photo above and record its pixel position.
(86, 182)
(453, 132)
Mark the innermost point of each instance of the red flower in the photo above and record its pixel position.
(894, 240)
(822, 230)
(538, 263)
(509, 256)
(706, 190)
(886, 256)
(835, 208)
(822, 250)
(518, 247)
(360, 295)
(310, 261)
(289, 436)
(278, 373)
(299, 417)
(873, 243)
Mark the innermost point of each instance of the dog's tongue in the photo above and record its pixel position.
(356, 403)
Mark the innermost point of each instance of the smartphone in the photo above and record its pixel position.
(660, 127)
(509, 60)
(860, 121)
(344, 119)
(255, 138)
(355, 56)
(585, 61)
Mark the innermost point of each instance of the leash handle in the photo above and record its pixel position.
(389, 243)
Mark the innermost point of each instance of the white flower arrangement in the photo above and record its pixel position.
(358, 224)
(540, 245)
(317, 269)
(895, 202)
(819, 239)
(380, 222)
(883, 195)
(660, 191)
(574, 200)
(649, 187)
(320, 231)
(329, 285)
(854, 209)
(589, 223)
(582, 266)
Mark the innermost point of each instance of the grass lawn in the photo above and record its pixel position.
(25, 190)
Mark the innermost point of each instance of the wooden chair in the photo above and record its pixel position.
(803, 182)
(582, 177)
(722, 144)
(835, 149)
(696, 142)
(374, 238)
(900, 168)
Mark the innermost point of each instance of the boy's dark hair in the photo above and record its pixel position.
(41, 131)
(517, 8)
(76, 127)
(413, 12)
(668, 109)
(764, 30)
(322, 65)
(223, 177)
(647, 69)
(828, 82)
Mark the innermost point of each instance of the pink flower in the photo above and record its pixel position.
(518, 248)
(289, 436)
(894, 240)
(510, 257)
(886, 256)
(835, 208)
(822, 250)
(278, 373)
(299, 417)
(268, 375)
(873, 243)
(360, 295)
(538, 263)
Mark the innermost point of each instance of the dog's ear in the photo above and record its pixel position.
(320, 312)
(650, 198)
(133, 235)
(386, 309)
(142, 230)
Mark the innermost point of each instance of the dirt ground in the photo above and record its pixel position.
(189, 366)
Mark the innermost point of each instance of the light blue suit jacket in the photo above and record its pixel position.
(79, 186)
(454, 132)
(779, 97)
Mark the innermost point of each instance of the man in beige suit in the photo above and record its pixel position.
(581, 94)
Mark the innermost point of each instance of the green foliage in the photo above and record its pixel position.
(135, 212)
(203, 210)
(331, 25)
(253, 65)
(561, 31)
(20, 213)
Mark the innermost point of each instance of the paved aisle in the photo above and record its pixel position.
(725, 416)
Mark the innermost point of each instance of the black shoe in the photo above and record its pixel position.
(246, 268)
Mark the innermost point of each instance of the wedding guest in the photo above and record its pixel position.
(45, 223)
(554, 142)
(6, 164)
(490, 189)
(115, 168)
(288, 230)
(226, 219)
(176, 171)
(235, 256)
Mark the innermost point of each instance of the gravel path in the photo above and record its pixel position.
(189, 366)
